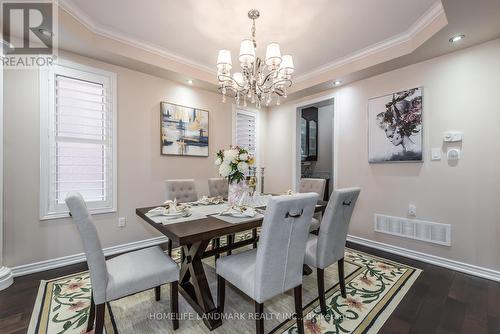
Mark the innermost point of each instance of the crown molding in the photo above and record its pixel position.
(425, 20)
(431, 15)
(92, 26)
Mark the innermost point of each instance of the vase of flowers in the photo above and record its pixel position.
(233, 165)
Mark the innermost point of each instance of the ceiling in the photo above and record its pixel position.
(329, 39)
(316, 32)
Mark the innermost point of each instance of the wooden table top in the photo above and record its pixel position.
(188, 232)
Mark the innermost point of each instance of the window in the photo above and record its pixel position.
(246, 133)
(78, 138)
(245, 130)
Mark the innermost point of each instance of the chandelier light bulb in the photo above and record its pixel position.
(273, 55)
(224, 63)
(287, 64)
(247, 53)
(238, 78)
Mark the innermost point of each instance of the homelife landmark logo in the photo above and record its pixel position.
(29, 33)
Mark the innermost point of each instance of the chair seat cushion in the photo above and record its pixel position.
(139, 271)
(311, 246)
(239, 270)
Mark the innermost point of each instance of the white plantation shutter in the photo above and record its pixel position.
(80, 152)
(246, 131)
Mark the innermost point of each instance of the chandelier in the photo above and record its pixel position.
(259, 81)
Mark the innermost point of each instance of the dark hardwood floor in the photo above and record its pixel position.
(441, 301)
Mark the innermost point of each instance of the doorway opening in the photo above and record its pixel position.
(314, 156)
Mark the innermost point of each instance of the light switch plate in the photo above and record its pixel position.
(435, 153)
(122, 222)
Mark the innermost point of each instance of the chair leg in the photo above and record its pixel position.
(321, 289)
(158, 293)
(297, 292)
(90, 324)
(169, 247)
(174, 303)
(340, 264)
(230, 239)
(99, 318)
(259, 318)
(254, 236)
(221, 293)
(216, 245)
(306, 270)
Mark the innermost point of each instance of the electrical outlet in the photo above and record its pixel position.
(122, 222)
(412, 210)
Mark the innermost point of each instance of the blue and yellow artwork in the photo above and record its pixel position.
(184, 130)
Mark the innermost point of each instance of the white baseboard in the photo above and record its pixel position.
(428, 258)
(30, 268)
(6, 278)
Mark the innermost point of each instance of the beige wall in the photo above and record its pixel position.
(141, 169)
(460, 93)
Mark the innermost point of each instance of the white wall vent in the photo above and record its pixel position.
(414, 229)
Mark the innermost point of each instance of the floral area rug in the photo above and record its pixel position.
(373, 293)
(375, 286)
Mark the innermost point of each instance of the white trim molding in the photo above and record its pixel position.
(35, 267)
(425, 20)
(98, 29)
(6, 278)
(466, 268)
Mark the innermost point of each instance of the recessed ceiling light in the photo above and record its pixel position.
(337, 82)
(456, 38)
(45, 32)
(190, 81)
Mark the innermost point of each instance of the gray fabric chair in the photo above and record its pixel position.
(218, 187)
(122, 275)
(182, 190)
(328, 246)
(275, 266)
(317, 186)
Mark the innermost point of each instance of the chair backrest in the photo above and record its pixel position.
(91, 245)
(334, 226)
(182, 190)
(281, 249)
(218, 186)
(313, 186)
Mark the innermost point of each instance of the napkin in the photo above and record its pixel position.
(240, 210)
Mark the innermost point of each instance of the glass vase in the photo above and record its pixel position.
(237, 192)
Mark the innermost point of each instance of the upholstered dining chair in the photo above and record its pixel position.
(218, 186)
(275, 266)
(122, 275)
(183, 190)
(328, 246)
(317, 186)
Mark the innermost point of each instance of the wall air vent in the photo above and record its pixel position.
(414, 229)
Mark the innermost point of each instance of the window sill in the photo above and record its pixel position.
(61, 215)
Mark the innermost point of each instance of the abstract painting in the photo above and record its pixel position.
(184, 130)
(395, 127)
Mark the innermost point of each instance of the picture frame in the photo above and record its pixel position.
(184, 131)
(395, 127)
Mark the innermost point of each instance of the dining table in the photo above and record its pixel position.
(193, 233)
